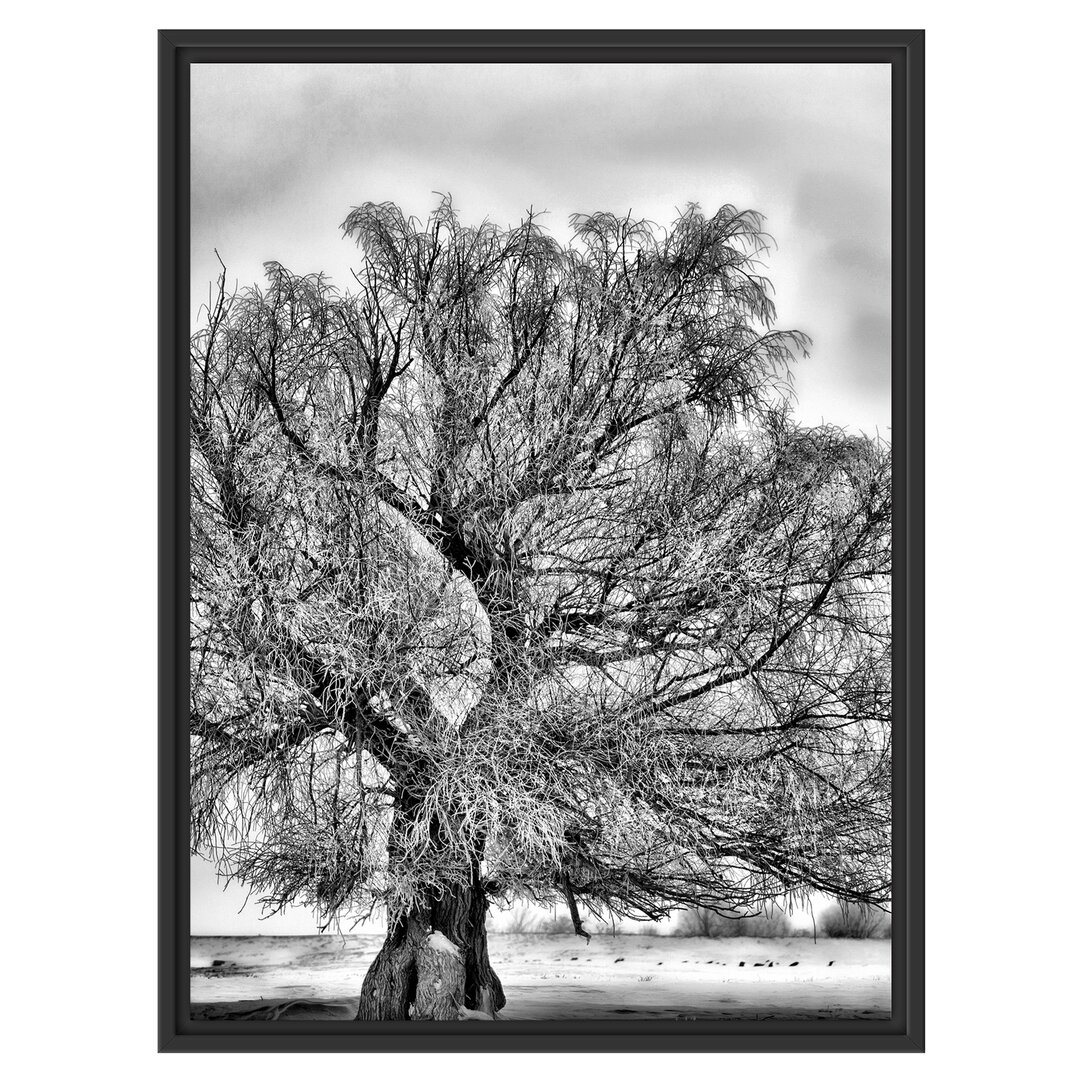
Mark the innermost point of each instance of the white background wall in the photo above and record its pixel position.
(78, 407)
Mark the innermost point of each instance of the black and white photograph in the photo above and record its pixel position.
(540, 548)
(541, 542)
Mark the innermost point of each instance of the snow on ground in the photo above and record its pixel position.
(561, 977)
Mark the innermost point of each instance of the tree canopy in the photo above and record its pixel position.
(510, 566)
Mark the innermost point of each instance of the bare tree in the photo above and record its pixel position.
(512, 577)
(705, 922)
(855, 921)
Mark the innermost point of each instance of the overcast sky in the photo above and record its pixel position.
(280, 153)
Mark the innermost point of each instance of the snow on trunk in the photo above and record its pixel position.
(440, 979)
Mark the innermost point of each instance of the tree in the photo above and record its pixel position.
(855, 921)
(704, 922)
(512, 576)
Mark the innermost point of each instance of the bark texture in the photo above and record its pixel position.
(440, 980)
(392, 984)
(460, 914)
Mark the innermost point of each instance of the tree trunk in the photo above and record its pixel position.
(460, 914)
(440, 980)
(391, 985)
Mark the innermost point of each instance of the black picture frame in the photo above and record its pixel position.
(903, 50)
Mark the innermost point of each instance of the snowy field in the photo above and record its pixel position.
(561, 977)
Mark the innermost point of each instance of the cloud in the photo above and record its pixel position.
(280, 153)
(869, 351)
(845, 206)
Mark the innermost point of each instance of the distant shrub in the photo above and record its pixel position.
(768, 924)
(525, 920)
(521, 921)
(855, 921)
(557, 924)
(701, 922)
(605, 927)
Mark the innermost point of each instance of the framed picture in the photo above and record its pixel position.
(541, 540)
